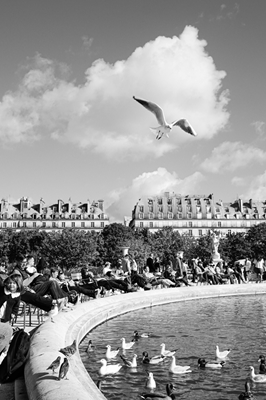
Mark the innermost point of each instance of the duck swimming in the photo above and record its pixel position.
(178, 369)
(166, 353)
(221, 354)
(157, 395)
(257, 378)
(202, 363)
(90, 347)
(126, 346)
(138, 335)
(150, 382)
(108, 369)
(262, 364)
(128, 363)
(247, 394)
(111, 353)
(152, 360)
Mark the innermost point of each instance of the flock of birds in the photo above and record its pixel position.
(109, 368)
(164, 128)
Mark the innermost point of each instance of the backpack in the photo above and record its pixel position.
(13, 364)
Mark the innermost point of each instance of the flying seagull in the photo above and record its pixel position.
(164, 128)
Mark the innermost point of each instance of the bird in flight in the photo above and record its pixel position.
(164, 128)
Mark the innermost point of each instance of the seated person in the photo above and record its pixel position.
(157, 280)
(70, 286)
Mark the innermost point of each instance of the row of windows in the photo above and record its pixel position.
(51, 216)
(49, 225)
(190, 231)
(199, 216)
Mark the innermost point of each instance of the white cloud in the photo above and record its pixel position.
(101, 115)
(153, 183)
(259, 127)
(229, 156)
(257, 188)
(238, 181)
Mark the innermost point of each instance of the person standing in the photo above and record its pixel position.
(150, 263)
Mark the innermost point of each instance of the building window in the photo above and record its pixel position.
(229, 231)
(160, 201)
(219, 224)
(190, 224)
(82, 224)
(34, 224)
(141, 208)
(63, 224)
(189, 215)
(44, 224)
(170, 208)
(141, 215)
(180, 215)
(24, 224)
(170, 215)
(92, 224)
(102, 224)
(14, 224)
(151, 224)
(151, 208)
(141, 224)
(200, 232)
(72, 224)
(151, 216)
(160, 208)
(53, 225)
(160, 215)
(190, 232)
(4, 224)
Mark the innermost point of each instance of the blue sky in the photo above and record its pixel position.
(69, 127)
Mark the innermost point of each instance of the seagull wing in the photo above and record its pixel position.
(154, 108)
(185, 125)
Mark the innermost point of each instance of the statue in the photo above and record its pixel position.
(215, 244)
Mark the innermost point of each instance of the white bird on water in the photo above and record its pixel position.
(165, 128)
(221, 354)
(166, 353)
(150, 382)
(128, 345)
(178, 369)
(108, 369)
(111, 353)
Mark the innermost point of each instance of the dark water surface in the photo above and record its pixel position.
(194, 328)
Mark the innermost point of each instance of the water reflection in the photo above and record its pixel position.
(194, 328)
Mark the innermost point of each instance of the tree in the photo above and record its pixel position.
(256, 239)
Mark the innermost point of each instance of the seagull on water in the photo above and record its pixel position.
(111, 353)
(150, 382)
(108, 369)
(178, 369)
(165, 128)
(126, 345)
(221, 354)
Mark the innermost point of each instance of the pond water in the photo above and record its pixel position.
(194, 328)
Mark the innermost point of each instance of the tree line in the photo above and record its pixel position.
(70, 249)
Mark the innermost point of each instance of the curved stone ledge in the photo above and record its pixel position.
(50, 337)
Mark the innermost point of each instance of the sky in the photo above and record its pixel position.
(70, 129)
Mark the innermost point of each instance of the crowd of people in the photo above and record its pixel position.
(44, 287)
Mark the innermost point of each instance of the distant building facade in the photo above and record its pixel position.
(196, 215)
(54, 217)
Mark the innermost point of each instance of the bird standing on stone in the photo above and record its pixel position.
(63, 369)
(55, 364)
(53, 312)
(164, 128)
(69, 350)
